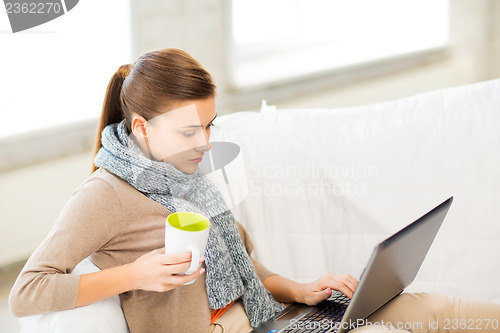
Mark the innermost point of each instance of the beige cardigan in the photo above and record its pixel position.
(114, 224)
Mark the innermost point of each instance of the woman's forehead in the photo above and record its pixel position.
(194, 114)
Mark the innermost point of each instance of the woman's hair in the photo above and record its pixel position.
(156, 80)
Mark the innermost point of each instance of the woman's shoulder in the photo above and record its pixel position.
(101, 193)
(104, 184)
(102, 188)
(102, 180)
(107, 186)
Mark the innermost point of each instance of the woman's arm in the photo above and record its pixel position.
(152, 271)
(285, 290)
(90, 218)
(103, 284)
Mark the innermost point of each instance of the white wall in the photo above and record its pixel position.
(473, 57)
(201, 29)
(31, 199)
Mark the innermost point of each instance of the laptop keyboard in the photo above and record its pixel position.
(323, 319)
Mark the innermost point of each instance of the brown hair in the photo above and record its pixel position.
(156, 80)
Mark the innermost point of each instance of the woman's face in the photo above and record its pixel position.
(180, 135)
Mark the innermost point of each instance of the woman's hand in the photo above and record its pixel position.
(285, 290)
(155, 271)
(317, 291)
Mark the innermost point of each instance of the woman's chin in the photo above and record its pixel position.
(187, 168)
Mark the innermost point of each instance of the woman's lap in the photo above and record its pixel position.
(233, 320)
(421, 312)
(408, 312)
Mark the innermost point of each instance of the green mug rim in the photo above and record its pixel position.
(193, 227)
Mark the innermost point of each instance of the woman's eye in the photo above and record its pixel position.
(188, 134)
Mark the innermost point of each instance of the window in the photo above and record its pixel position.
(57, 73)
(275, 40)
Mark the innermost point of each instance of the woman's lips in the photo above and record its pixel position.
(196, 160)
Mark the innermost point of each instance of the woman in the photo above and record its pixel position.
(153, 133)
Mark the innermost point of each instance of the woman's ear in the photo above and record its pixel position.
(138, 126)
(139, 130)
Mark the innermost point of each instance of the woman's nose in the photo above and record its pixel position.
(204, 144)
(205, 147)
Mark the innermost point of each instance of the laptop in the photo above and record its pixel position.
(393, 265)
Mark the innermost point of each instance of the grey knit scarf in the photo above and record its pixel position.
(230, 273)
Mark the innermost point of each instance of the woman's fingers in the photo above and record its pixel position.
(349, 282)
(174, 258)
(157, 271)
(346, 284)
(170, 281)
(173, 281)
(161, 250)
(179, 280)
(175, 263)
(353, 280)
(340, 286)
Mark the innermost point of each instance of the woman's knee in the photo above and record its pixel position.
(417, 307)
(437, 306)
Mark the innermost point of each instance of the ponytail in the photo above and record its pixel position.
(112, 107)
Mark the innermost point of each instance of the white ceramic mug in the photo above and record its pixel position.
(187, 232)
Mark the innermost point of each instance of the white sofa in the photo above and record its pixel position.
(318, 188)
(325, 185)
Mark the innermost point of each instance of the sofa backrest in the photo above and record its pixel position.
(320, 187)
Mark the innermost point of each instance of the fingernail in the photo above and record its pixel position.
(327, 291)
(202, 271)
(202, 259)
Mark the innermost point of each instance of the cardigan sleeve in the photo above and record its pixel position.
(89, 219)
(262, 272)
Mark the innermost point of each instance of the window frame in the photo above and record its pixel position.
(414, 57)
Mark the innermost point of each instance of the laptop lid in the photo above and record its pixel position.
(393, 265)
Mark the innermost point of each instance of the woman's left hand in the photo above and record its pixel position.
(317, 291)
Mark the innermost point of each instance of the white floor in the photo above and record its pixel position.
(8, 323)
